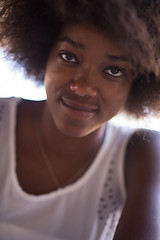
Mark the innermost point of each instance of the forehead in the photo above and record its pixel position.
(87, 35)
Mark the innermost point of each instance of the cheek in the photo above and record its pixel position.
(57, 75)
(55, 80)
(114, 98)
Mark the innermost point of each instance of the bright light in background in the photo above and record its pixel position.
(14, 83)
(149, 122)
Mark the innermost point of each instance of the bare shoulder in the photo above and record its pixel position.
(141, 215)
(29, 107)
(143, 156)
(28, 113)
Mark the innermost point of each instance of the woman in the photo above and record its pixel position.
(66, 172)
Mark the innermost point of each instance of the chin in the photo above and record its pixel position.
(74, 133)
(74, 130)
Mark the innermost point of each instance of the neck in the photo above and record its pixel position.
(60, 145)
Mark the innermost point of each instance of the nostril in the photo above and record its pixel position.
(73, 87)
(83, 89)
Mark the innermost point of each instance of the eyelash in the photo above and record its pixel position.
(64, 54)
(120, 70)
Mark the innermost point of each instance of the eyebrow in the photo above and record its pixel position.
(71, 42)
(81, 46)
(116, 58)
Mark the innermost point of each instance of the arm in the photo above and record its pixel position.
(140, 219)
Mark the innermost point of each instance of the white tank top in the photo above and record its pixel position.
(88, 209)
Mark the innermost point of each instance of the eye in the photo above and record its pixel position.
(115, 71)
(68, 57)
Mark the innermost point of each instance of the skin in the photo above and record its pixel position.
(86, 85)
(79, 76)
(141, 215)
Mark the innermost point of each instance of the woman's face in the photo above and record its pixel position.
(87, 79)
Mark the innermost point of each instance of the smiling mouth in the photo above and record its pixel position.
(77, 110)
(78, 107)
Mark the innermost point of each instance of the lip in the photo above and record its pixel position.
(78, 110)
(78, 106)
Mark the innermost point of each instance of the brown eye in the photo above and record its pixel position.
(114, 71)
(68, 57)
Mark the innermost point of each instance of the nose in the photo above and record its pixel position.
(83, 84)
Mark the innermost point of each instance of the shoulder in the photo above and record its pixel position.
(29, 105)
(141, 214)
(20, 108)
(143, 157)
(142, 163)
(27, 109)
(5, 103)
(28, 113)
(8, 108)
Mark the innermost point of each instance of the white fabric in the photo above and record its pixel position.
(88, 209)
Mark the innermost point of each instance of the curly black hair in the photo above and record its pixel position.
(29, 28)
